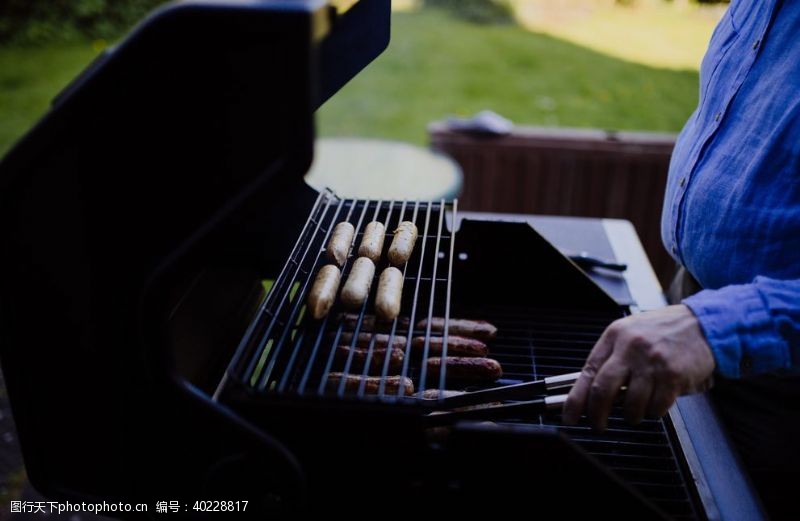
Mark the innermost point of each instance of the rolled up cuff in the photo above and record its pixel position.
(740, 331)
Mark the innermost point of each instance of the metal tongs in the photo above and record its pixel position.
(486, 408)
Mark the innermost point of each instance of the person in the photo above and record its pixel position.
(731, 218)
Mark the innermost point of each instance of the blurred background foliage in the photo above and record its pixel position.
(41, 21)
(612, 64)
(32, 22)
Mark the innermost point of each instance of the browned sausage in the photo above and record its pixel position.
(456, 346)
(323, 291)
(480, 329)
(364, 339)
(405, 236)
(356, 288)
(371, 323)
(372, 241)
(352, 382)
(360, 354)
(461, 368)
(340, 242)
(390, 294)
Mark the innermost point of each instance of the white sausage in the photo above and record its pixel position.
(390, 293)
(403, 243)
(323, 291)
(339, 243)
(372, 241)
(356, 289)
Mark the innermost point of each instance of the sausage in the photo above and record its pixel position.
(480, 329)
(364, 339)
(356, 288)
(339, 243)
(372, 241)
(462, 368)
(403, 243)
(352, 382)
(323, 291)
(456, 346)
(370, 322)
(390, 293)
(376, 362)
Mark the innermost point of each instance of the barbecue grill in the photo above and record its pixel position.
(160, 246)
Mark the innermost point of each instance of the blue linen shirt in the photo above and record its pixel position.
(732, 209)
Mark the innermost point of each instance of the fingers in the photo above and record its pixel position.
(638, 398)
(579, 394)
(664, 396)
(605, 389)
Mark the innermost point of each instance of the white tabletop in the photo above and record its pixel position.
(383, 170)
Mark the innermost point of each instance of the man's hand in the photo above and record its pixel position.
(659, 355)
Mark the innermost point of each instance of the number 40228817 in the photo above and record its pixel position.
(220, 506)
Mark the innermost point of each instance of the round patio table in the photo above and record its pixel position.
(387, 170)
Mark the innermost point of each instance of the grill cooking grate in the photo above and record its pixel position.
(534, 344)
(285, 351)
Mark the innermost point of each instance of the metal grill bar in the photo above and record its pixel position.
(361, 317)
(387, 360)
(407, 358)
(423, 374)
(324, 196)
(446, 332)
(368, 360)
(295, 316)
(285, 292)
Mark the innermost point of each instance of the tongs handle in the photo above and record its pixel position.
(498, 412)
(523, 391)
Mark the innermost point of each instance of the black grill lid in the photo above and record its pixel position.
(205, 105)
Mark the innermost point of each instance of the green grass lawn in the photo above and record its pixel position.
(29, 79)
(435, 66)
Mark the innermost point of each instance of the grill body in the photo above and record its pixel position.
(549, 315)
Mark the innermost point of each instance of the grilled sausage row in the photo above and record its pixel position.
(405, 237)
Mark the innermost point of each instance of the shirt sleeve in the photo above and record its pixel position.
(751, 328)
